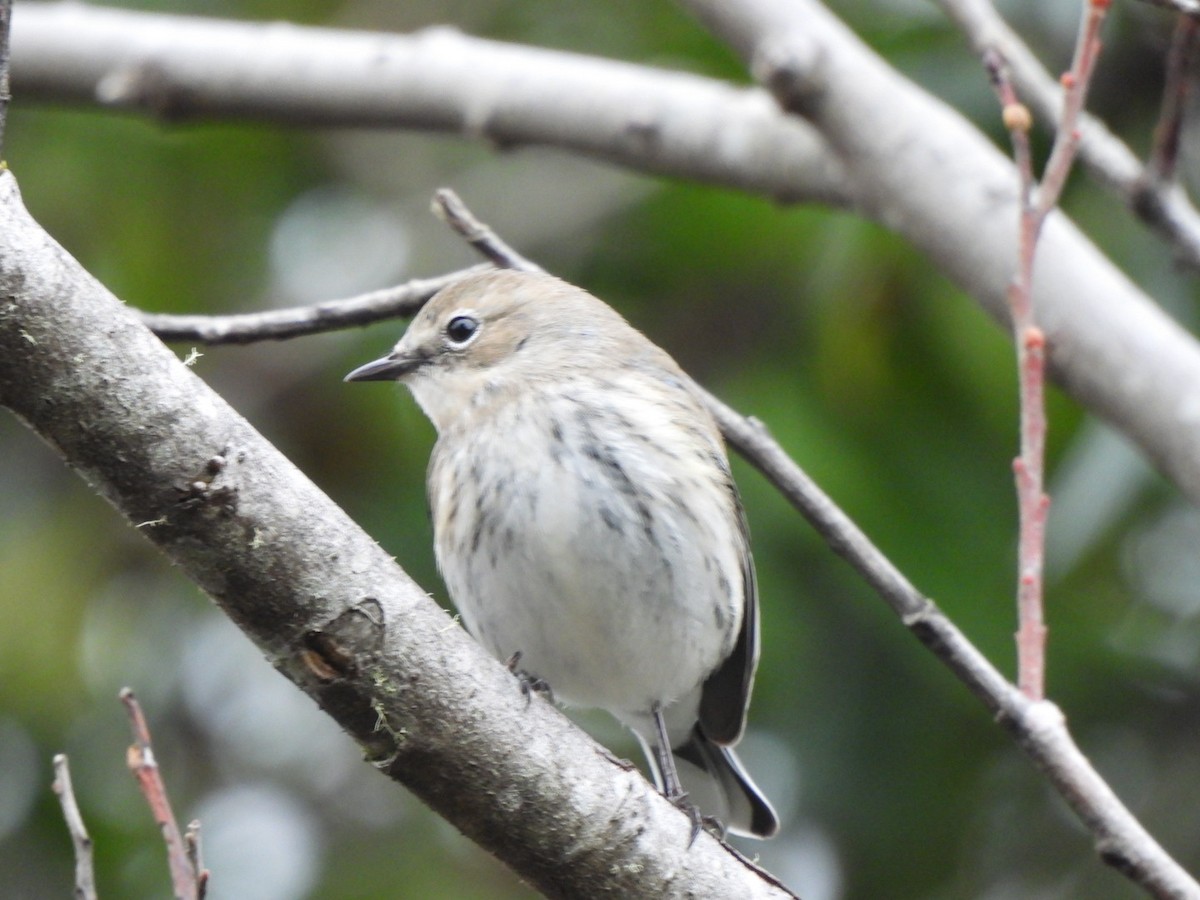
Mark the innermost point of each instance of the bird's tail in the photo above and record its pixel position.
(718, 785)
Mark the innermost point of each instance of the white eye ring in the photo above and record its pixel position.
(461, 330)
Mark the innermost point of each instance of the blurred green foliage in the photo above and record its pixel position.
(881, 379)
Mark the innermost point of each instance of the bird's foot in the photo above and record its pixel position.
(530, 683)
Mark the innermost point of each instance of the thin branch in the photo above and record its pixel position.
(448, 207)
(1037, 202)
(195, 855)
(1075, 83)
(281, 324)
(85, 874)
(1030, 342)
(1164, 154)
(1038, 726)
(185, 879)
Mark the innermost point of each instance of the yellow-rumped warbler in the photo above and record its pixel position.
(586, 522)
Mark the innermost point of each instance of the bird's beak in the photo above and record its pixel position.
(389, 368)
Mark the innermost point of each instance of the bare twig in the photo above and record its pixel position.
(1029, 466)
(85, 875)
(1038, 726)
(1036, 203)
(1164, 155)
(1075, 82)
(191, 838)
(185, 879)
(280, 324)
(448, 207)
(503, 95)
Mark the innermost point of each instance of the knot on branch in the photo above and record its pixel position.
(792, 67)
(342, 647)
(145, 85)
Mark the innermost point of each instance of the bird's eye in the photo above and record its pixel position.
(461, 329)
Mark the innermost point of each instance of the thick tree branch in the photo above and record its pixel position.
(663, 122)
(330, 609)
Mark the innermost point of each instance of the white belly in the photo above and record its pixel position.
(613, 566)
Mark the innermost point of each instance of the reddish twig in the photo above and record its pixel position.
(186, 880)
(1164, 156)
(191, 838)
(1036, 203)
(85, 874)
(1075, 82)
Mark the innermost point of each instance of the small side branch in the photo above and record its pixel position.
(396, 302)
(281, 324)
(1164, 156)
(448, 207)
(85, 874)
(187, 881)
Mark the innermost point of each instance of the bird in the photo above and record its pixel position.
(586, 523)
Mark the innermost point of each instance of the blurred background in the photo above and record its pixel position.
(878, 376)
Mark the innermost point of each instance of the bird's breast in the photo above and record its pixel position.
(602, 548)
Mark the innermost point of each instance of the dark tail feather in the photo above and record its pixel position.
(717, 783)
